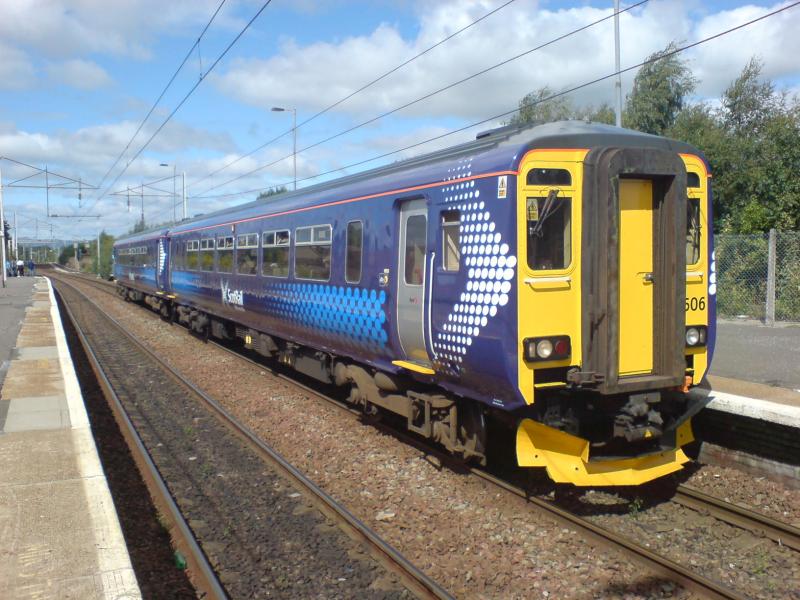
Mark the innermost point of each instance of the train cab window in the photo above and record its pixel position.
(549, 177)
(312, 252)
(451, 249)
(192, 255)
(549, 232)
(355, 250)
(692, 180)
(207, 254)
(275, 253)
(247, 254)
(692, 231)
(225, 254)
(416, 247)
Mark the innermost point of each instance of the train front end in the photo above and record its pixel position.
(615, 309)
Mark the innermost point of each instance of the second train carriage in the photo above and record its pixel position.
(558, 278)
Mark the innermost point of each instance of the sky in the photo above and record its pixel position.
(78, 77)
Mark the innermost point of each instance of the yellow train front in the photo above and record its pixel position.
(616, 312)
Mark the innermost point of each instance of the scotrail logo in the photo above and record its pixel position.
(231, 297)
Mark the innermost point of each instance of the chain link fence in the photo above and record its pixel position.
(758, 276)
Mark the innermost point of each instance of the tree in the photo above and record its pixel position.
(540, 107)
(275, 191)
(659, 92)
(748, 103)
(139, 226)
(7, 238)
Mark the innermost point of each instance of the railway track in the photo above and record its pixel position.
(752, 521)
(392, 561)
(202, 575)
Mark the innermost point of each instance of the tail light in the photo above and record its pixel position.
(554, 347)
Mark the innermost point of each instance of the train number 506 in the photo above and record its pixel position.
(695, 303)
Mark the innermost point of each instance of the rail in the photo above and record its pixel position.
(414, 579)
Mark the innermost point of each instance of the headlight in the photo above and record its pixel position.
(544, 349)
(696, 335)
(553, 347)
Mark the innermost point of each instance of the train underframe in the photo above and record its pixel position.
(579, 436)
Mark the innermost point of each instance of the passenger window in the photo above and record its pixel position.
(355, 249)
(207, 254)
(549, 232)
(225, 254)
(192, 258)
(451, 250)
(247, 254)
(416, 247)
(312, 253)
(692, 231)
(275, 253)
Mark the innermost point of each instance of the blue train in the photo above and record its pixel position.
(558, 280)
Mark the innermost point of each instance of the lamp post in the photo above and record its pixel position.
(174, 197)
(294, 138)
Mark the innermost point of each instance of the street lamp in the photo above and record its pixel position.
(174, 192)
(294, 136)
(174, 198)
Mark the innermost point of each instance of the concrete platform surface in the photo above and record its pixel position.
(14, 298)
(59, 532)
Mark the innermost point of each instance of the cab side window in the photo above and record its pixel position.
(549, 222)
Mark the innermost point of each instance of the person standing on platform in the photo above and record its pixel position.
(31, 268)
(20, 268)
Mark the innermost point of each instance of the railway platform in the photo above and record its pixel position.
(59, 533)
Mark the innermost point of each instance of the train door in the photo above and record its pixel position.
(636, 281)
(412, 280)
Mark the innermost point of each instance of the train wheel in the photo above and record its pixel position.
(472, 432)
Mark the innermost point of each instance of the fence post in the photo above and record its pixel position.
(770, 316)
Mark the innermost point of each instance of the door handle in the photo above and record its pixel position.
(648, 277)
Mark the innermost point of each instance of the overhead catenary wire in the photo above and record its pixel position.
(553, 96)
(183, 100)
(164, 91)
(427, 96)
(355, 92)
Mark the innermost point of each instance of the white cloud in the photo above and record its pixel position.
(316, 75)
(16, 70)
(81, 74)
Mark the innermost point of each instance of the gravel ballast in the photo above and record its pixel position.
(471, 538)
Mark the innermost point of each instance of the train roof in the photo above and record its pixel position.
(143, 236)
(496, 150)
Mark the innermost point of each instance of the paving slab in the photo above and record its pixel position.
(59, 532)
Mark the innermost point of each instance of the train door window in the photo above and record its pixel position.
(275, 253)
(225, 254)
(416, 247)
(192, 255)
(451, 248)
(247, 254)
(692, 231)
(355, 250)
(312, 253)
(692, 180)
(207, 254)
(549, 232)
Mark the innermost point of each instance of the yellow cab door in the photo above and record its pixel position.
(635, 277)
